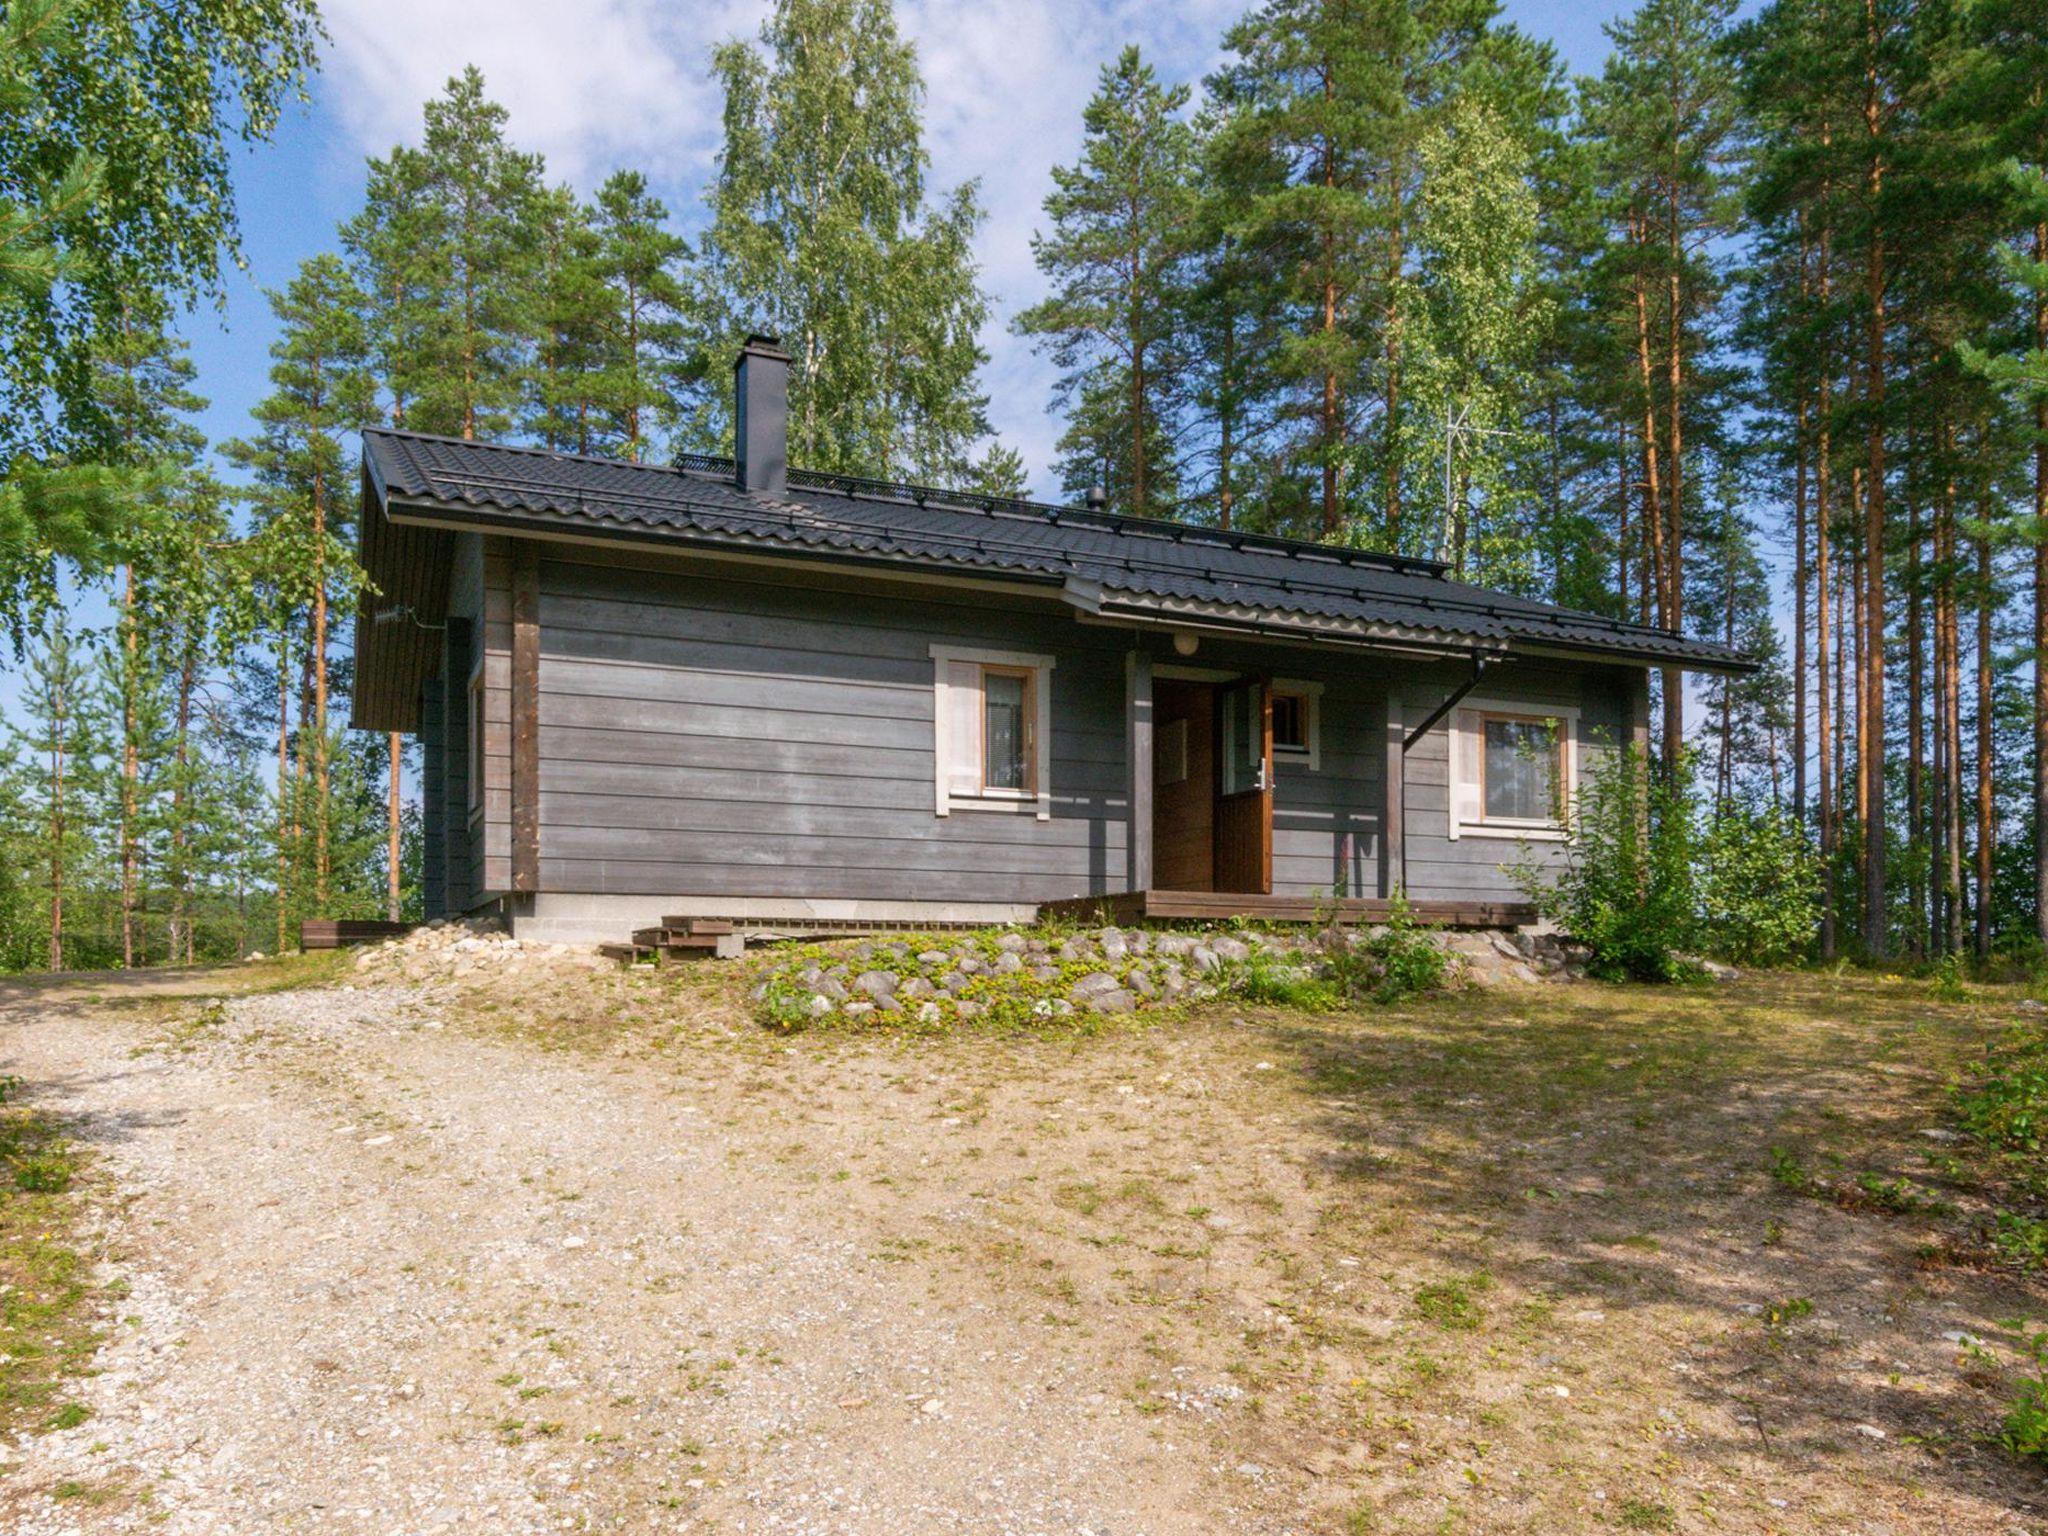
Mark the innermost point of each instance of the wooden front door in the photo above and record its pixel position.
(1244, 801)
(1183, 785)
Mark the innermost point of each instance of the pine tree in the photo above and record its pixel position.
(116, 200)
(62, 741)
(639, 261)
(822, 235)
(322, 388)
(142, 382)
(2001, 87)
(1117, 257)
(1308, 93)
(564, 403)
(447, 249)
(1663, 122)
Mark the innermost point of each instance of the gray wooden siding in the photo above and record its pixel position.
(713, 732)
(1471, 866)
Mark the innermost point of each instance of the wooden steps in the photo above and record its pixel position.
(679, 938)
(334, 932)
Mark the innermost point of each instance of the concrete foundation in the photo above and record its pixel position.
(567, 918)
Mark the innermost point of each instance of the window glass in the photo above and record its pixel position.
(1521, 770)
(1290, 722)
(1243, 739)
(1003, 700)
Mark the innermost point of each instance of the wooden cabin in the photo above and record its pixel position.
(733, 690)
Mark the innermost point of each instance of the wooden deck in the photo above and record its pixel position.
(1220, 906)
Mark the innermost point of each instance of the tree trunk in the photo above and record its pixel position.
(181, 804)
(1987, 747)
(284, 785)
(393, 882)
(2041, 610)
(1951, 731)
(60, 719)
(131, 762)
(1674, 536)
(319, 660)
(1391, 469)
(1801, 573)
(1871, 755)
(1916, 736)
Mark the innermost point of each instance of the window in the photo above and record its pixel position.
(1298, 722)
(1290, 722)
(1005, 713)
(1520, 769)
(476, 740)
(992, 723)
(1514, 770)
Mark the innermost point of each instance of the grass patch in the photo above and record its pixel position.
(46, 1335)
(1453, 1304)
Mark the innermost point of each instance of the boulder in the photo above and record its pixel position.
(878, 985)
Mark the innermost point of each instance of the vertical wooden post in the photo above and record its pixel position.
(1394, 799)
(1138, 756)
(525, 716)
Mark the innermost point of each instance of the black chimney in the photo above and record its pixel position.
(761, 416)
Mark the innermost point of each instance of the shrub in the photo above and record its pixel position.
(1393, 962)
(1626, 886)
(1759, 885)
(2026, 1419)
(2004, 1102)
(1280, 980)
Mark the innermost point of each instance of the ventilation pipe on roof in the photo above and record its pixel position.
(761, 417)
(1098, 498)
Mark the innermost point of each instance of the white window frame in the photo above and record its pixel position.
(1465, 802)
(1311, 696)
(1035, 801)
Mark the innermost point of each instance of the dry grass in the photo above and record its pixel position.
(1501, 1262)
(1525, 1260)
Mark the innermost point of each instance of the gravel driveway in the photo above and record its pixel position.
(388, 1275)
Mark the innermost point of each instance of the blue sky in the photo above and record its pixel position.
(597, 85)
(625, 83)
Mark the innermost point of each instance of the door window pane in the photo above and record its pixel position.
(1003, 698)
(1521, 770)
(1244, 739)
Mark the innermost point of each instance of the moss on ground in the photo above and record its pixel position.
(46, 1290)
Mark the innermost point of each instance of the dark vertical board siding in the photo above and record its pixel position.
(525, 726)
(433, 804)
(455, 664)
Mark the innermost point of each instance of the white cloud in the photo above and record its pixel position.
(625, 82)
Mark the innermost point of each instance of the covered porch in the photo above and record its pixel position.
(1157, 906)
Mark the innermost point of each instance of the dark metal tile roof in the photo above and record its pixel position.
(1123, 565)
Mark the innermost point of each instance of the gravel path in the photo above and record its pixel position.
(388, 1276)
